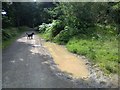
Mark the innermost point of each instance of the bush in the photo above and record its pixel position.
(42, 28)
(9, 34)
(51, 30)
(65, 35)
(56, 27)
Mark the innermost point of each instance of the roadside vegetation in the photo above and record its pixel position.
(86, 29)
(101, 50)
(10, 34)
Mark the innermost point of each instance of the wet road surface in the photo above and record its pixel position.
(23, 66)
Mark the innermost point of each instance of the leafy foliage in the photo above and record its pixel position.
(9, 34)
(51, 30)
(89, 29)
(25, 13)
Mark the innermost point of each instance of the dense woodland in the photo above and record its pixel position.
(90, 29)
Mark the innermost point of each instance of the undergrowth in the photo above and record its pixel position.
(10, 34)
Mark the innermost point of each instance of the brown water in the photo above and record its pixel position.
(66, 61)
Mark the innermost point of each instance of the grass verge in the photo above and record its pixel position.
(9, 35)
(103, 53)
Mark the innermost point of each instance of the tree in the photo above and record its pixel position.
(26, 13)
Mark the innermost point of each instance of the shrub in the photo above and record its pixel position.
(9, 34)
(56, 27)
(51, 30)
(65, 35)
(43, 27)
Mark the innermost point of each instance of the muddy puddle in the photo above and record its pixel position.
(77, 68)
(67, 62)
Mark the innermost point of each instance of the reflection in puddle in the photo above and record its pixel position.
(25, 40)
(26, 64)
(22, 39)
(34, 51)
(12, 61)
(36, 45)
(21, 59)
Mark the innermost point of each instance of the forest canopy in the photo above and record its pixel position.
(77, 14)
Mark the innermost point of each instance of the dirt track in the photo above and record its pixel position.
(24, 66)
(68, 62)
(28, 64)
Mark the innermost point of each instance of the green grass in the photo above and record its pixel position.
(8, 42)
(45, 36)
(104, 53)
